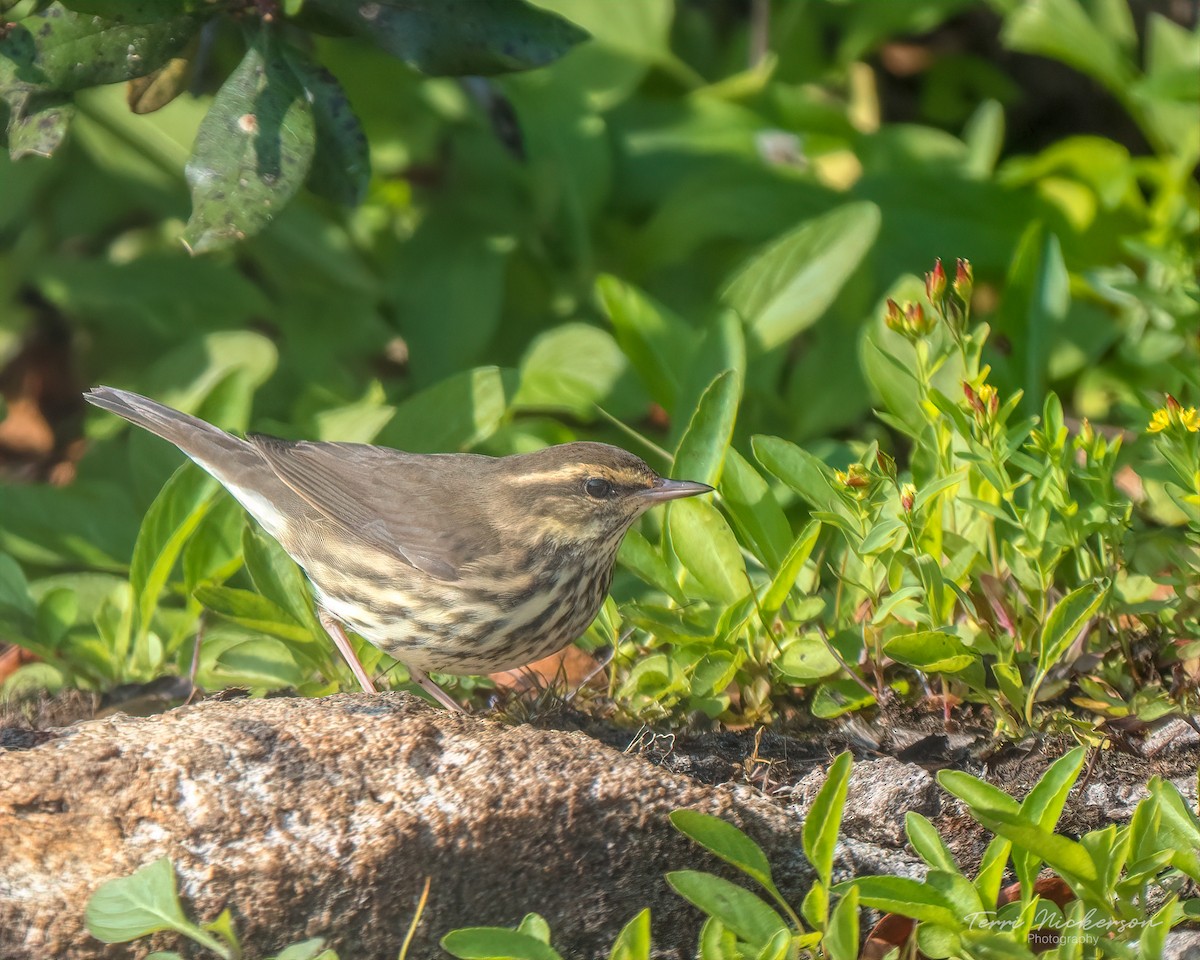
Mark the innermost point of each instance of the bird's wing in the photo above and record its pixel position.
(416, 507)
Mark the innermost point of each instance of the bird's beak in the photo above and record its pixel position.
(673, 490)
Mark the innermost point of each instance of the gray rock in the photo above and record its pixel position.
(324, 817)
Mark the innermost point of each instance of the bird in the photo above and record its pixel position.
(452, 563)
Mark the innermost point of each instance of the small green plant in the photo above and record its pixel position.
(1126, 881)
(530, 940)
(147, 902)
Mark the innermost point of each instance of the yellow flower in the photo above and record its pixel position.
(1174, 414)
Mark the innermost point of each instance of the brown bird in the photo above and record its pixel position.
(449, 562)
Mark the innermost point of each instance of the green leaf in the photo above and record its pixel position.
(656, 341)
(1062, 30)
(707, 550)
(841, 937)
(727, 842)
(72, 50)
(1037, 298)
(277, 577)
(135, 906)
(455, 414)
(1069, 616)
(459, 37)
(701, 453)
(573, 368)
(909, 898)
(341, 163)
(800, 470)
(263, 662)
(716, 942)
(633, 942)
(784, 580)
(928, 843)
(779, 947)
(641, 557)
(837, 697)
(932, 651)
(787, 287)
(496, 943)
(736, 907)
(754, 510)
(253, 150)
(14, 588)
(170, 521)
(37, 124)
(305, 950)
(252, 611)
(805, 659)
(824, 818)
(535, 925)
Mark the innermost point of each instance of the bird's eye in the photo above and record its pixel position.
(597, 487)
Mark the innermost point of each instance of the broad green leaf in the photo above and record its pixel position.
(14, 588)
(459, 37)
(640, 556)
(252, 611)
(928, 843)
(253, 150)
(716, 942)
(37, 124)
(455, 414)
(701, 453)
(496, 943)
(305, 950)
(837, 697)
(932, 651)
(1062, 30)
(170, 521)
(633, 942)
(824, 818)
(800, 470)
(784, 580)
(787, 287)
(135, 906)
(1037, 298)
(841, 937)
(736, 907)
(805, 659)
(451, 277)
(535, 925)
(277, 577)
(707, 550)
(1062, 627)
(261, 662)
(30, 679)
(908, 898)
(754, 510)
(779, 947)
(721, 347)
(727, 842)
(75, 50)
(657, 342)
(573, 368)
(341, 165)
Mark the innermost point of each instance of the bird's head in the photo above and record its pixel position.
(587, 492)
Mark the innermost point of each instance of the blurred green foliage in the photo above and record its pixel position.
(682, 231)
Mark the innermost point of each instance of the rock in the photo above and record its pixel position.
(324, 817)
(878, 796)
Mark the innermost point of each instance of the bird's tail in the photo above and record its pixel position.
(204, 443)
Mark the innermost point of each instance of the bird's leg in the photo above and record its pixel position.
(421, 679)
(342, 642)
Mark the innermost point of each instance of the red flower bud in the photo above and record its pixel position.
(935, 283)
